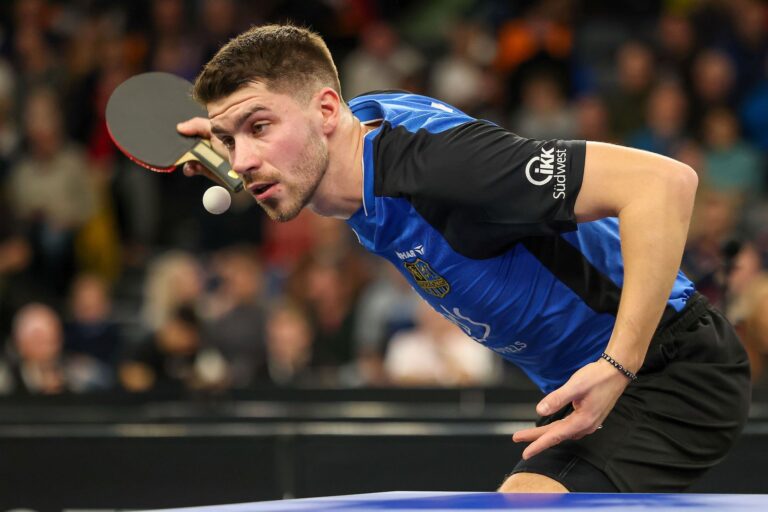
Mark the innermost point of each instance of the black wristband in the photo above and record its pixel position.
(628, 374)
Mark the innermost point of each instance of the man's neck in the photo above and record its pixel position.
(340, 193)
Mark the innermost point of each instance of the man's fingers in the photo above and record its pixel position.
(547, 436)
(547, 440)
(531, 434)
(197, 126)
(561, 431)
(557, 399)
(193, 169)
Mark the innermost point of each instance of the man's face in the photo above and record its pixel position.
(273, 145)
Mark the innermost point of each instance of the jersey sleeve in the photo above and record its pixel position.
(492, 175)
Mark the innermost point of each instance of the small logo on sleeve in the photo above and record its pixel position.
(549, 165)
(427, 279)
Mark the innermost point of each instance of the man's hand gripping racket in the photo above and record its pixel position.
(144, 115)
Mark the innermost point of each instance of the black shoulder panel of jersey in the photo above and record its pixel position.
(481, 186)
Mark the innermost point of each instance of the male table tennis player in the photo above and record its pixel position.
(562, 256)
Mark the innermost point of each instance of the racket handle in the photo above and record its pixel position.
(217, 165)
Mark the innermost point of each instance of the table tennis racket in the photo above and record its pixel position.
(142, 115)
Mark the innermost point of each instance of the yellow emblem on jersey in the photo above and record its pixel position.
(427, 279)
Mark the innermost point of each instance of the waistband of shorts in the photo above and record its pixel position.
(674, 322)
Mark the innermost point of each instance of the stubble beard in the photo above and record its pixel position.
(309, 172)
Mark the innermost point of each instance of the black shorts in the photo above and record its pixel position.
(680, 418)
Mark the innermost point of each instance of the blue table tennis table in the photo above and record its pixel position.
(492, 501)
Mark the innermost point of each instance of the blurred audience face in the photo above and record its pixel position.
(713, 76)
(635, 66)
(219, 16)
(168, 16)
(379, 40)
(676, 35)
(37, 334)
(325, 284)
(667, 109)
(90, 301)
(715, 216)
(746, 267)
(180, 335)
(721, 129)
(185, 279)
(748, 20)
(289, 335)
(30, 12)
(593, 119)
(542, 94)
(43, 123)
(241, 275)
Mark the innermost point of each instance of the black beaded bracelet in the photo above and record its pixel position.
(628, 374)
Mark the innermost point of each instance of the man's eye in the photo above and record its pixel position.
(258, 128)
(228, 142)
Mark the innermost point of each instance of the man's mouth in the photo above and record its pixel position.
(261, 190)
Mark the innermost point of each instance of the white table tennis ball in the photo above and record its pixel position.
(217, 200)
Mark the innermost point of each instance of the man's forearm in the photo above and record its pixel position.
(653, 230)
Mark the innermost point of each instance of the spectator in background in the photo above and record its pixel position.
(37, 363)
(386, 306)
(713, 83)
(381, 61)
(51, 190)
(457, 78)
(235, 327)
(36, 61)
(753, 111)
(592, 120)
(747, 43)
(323, 285)
(289, 339)
(541, 40)
(285, 245)
(174, 279)
(172, 49)
(714, 220)
(9, 134)
(664, 130)
(37, 366)
(627, 100)
(544, 113)
(745, 268)
(171, 359)
(730, 164)
(18, 285)
(677, 46)
(91, 336)
(437, 353)
(220, 19)
(752, 312)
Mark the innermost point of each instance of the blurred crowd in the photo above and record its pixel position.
(115, 278)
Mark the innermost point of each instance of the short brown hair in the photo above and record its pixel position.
(286, 58)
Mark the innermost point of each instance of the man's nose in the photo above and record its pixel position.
(245, 160)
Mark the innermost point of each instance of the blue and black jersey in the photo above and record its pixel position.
(481, 223)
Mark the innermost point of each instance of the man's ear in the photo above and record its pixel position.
(329, 104)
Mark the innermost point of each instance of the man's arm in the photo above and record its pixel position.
(653, 198)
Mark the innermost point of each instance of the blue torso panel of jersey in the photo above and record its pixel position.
(480, 221)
